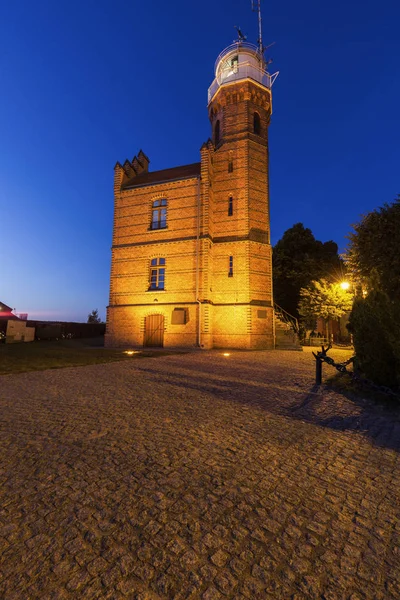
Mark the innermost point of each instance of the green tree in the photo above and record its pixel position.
(324, 300)
(94, 317)
(375, 324)
(374, 250)
(298, 259)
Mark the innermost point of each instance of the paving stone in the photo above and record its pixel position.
(192, 477)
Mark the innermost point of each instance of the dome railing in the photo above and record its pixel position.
(240, 71)
(239, 45)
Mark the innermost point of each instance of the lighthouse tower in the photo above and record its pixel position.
(191, 252)
(236, 198)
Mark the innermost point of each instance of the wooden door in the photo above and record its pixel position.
(154, 331)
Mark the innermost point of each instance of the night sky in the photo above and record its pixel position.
(85, 84)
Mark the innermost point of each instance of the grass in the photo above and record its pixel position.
(37, 356)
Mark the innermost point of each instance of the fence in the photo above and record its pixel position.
(321, 357)
(46, 330)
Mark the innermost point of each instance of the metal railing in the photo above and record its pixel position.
(238, 46)
(314, 341)
(286, 317)
(241, 71)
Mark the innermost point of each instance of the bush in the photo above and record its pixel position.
(374, 323)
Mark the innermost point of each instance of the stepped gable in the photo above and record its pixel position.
(176, 173)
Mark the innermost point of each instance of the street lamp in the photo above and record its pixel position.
(345, 285)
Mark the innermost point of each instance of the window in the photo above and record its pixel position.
(157, 274)
(230, 206)
(234, 64)
(257, 124)
(216, 133)
(159, 214)
(230, 166)
(262, 314)
(230, 274)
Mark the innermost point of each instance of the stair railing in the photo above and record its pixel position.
(286, 317)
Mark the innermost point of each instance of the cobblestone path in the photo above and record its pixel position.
(196, 476)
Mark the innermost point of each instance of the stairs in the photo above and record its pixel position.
(286, 328)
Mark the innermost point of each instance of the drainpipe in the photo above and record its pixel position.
(198, 263)
(273, 306)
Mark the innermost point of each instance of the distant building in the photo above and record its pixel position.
(12, 328)
(6, 313)
(191, 253)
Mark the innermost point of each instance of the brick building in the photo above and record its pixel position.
(191, 253)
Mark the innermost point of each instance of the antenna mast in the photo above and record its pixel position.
(256, 7)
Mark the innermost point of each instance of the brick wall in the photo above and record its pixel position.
(200, 238)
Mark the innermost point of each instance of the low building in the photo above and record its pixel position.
(12, 328)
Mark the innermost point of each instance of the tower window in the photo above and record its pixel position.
(157, 274)
(159, 214)
(257, 124)
(217, 133)
(230, 166)
(230, 273)
(230, 206)
(235, 63)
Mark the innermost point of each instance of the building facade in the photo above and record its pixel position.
(191, 253)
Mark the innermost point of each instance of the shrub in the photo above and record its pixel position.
(374, 323)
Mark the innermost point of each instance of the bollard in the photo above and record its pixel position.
(318, 370)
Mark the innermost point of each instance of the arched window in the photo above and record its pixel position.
(216, 133)
(159, 214)
(257, 124)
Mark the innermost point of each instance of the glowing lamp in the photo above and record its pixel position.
(345, 285)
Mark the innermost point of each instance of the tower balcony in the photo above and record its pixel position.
(240, 60)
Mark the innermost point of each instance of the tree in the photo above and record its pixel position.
(324, 300)
(298, 259)
(94, 317)
(373, 258)
(374, 249)
(375, 325)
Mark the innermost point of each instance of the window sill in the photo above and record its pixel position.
(155, 290)
(157, 228)
(230, 274)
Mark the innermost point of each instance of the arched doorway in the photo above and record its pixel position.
(154, 331)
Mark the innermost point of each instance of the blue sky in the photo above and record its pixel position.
(87, 83)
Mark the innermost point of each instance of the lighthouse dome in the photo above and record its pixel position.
(240, 60)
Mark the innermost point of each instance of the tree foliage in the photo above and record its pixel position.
(324, 300)
(298, 259)
(375, 325)
(374, 248)
(94, 317)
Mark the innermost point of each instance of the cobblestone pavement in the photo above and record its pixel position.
(196, 476)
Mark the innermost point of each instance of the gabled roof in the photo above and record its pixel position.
(5, 307)
(6, 312)
(174, 174)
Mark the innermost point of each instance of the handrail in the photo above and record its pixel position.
(236, 46)
(287, 317)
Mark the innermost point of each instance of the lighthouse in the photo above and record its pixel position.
(191, 255)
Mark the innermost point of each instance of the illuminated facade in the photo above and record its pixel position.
(191, 254)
